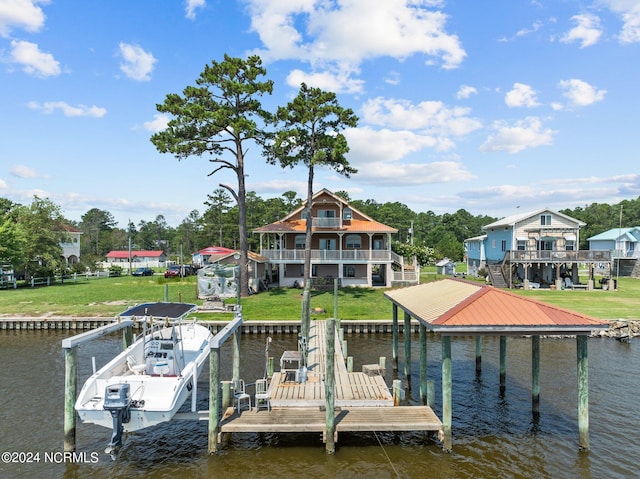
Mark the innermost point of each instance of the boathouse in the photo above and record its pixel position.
(453, 307)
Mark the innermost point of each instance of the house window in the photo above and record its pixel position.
(349, 271)
(570, 245)
(346, 214)
(326, 214)
(353, 242)
(493, 244)
(545, 220)
(327, 244)
(503, 245)
(521, 245)
(300, 241)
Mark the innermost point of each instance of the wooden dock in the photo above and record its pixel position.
(362, 402)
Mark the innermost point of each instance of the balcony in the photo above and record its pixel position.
(558, 256)
(319, 256)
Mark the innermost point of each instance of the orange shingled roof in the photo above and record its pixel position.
(300, 226)
(464, 307)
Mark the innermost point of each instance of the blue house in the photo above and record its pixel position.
(623, 245)
(534, 249)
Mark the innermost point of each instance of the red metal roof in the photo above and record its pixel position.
(135, 254)
(463, 307)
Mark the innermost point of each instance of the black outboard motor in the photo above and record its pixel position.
(117, 401)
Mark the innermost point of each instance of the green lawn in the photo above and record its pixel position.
(109, 296)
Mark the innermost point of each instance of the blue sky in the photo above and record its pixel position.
(486, 106)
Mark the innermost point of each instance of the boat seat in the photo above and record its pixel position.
(134, 366)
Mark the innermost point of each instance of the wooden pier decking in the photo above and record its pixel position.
(362, 402)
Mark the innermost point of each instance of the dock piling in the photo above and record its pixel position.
(330, 446)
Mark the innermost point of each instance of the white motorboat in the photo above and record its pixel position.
(150, 380)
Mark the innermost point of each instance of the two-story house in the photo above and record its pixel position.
(346, 244)
(537, 247)
(71, 244)
(624, 246)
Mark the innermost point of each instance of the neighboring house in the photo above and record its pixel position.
(346, 244)
(209, 255)
(71, 245)
(538, 247)
(474, 253)
(151, 259)
(624, 246)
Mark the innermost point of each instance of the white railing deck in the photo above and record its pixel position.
(330, 256)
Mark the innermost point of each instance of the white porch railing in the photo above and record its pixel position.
(329, 256)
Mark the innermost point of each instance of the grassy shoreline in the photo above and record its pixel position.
(108, 297)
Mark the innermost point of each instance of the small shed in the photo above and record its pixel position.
(454, 307)
(446, 266)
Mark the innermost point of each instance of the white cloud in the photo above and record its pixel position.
(432, 117)
(137, 64)
(526, 31)
(466, 91)
(344, 33)
(33, 61)
(527, 133)
(587, 31)
(521, 95)
(159, 123)
(3, 184)
(22, 171)
(580, 93)
(339, 82)
(22, 14)
(68, 110)
(370, 145)
(404, 174)
(192, 6)
(629, 10)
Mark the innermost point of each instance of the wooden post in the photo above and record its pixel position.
(423, 364)
(306, 311)
(349, 364)
(431, 393)
(270, 366)
(407, 349)
(397, 392)
(329, 387)
(127, 337)
(478, 354)
(214, 399)
(335, 303)
(394, 337)
(70, 385)
(535, 375)
(226, 395)
(446, 393)
(236, 354)
(583, 392)
(503, 363)
(344, 348)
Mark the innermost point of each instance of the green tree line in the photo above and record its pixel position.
(30, 235)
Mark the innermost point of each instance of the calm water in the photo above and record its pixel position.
(494, 436)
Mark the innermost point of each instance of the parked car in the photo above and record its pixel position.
(179, 270)
(143, 272)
